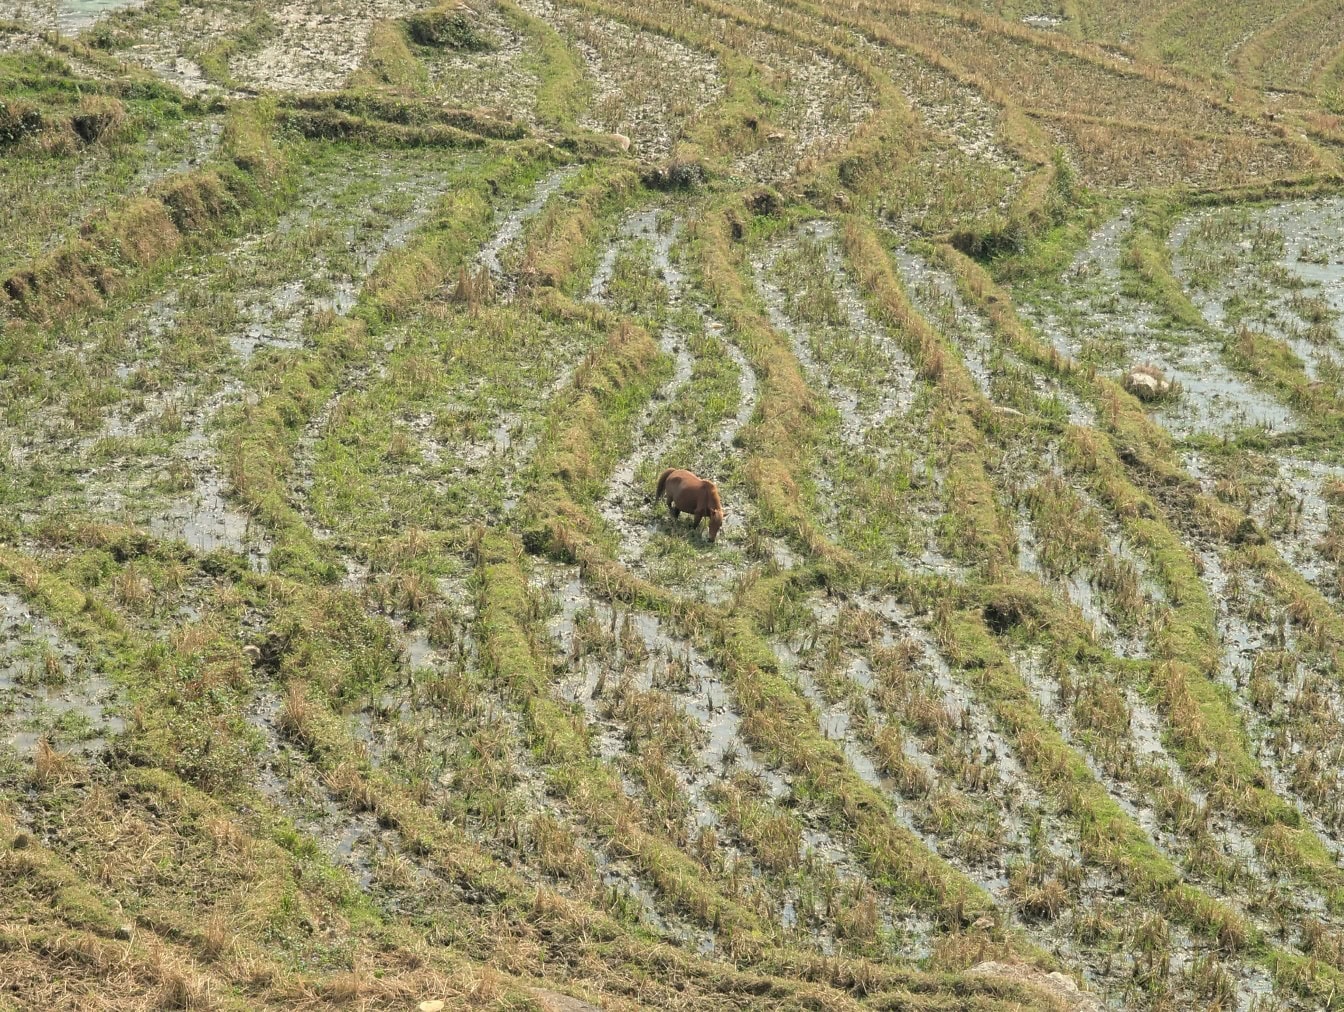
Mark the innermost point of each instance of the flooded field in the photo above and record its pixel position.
(348, 657)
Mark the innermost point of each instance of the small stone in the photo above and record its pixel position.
(1147, 383)
(433, 1005)
(125, 931)
(983, 923)
(1145, 387)
(1062, 982)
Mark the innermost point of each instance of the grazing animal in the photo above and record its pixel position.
(688, 493)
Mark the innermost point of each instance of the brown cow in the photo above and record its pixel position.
(687, 493)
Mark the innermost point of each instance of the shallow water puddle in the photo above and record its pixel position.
(1279, 269)
(1243, 637)
(835, 864)
(1136, 804)
(853, 340)
(933, 291)
(275, 316)
(44, 689)
(509, 228)
(1092, 318)
(1008, 785)
(203, 517)
(1296, 514)
(1144, 733)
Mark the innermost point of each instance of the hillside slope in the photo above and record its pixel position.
(348, 661)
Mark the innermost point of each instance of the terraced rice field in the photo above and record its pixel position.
(347, 659)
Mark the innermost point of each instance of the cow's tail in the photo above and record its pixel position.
(662, 482)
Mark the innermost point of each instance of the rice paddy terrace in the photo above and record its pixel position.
(346, 661)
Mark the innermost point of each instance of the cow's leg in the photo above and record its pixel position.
(671, 505)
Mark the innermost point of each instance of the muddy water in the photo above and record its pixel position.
(1288, 499)
(978, 733)
(676, 668)
(1145, 731)
(863, 411)
(626, 504)
(624, 498)
(1296, 516)
(933, 291)
(1274, 268)
(670, 666)
(271, 294)
(275, 315)
(203, 517)
(45, 689)
(509, 227)
(1093, 319)
(65, 16)
(1053, 841)
(1137, 802)
(1246, 626)
(695, 687)
(351, 840)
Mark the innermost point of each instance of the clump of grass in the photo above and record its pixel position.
(50, 767)
(474, 290)
(18, 120)
(98, 118)
(447, 27)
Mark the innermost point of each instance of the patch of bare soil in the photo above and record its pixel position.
(824, 103)
(498, 78)
(319, 43)
(645, 86)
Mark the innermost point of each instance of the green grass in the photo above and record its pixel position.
(419, 696)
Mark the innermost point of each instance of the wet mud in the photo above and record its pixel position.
(48, 689)
(1095, 320)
